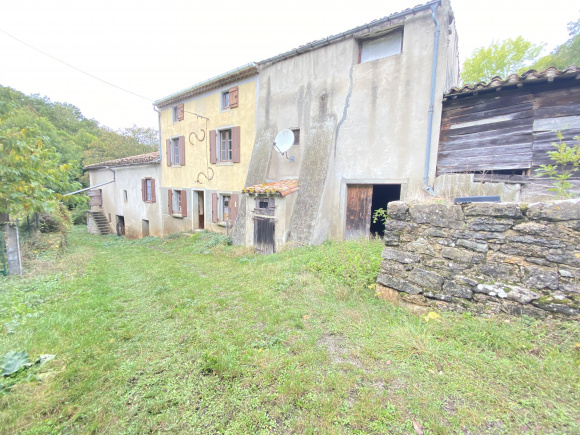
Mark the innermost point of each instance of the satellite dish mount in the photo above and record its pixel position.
(284, 141)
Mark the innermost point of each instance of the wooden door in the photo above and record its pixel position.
(95, 197)
(264, 229)
(358, 210)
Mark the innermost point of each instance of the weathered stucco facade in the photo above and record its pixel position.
(359, 123)
(123, 199)
(203, 177)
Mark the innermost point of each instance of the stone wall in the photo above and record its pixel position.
(92, 226)
(484, 257)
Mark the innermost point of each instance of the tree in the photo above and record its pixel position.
(500, 59)
(566, 54)
(31, 175)
(112, 144)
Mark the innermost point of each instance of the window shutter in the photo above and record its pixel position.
(153, 199)
(170, 200)
(212, 147)
(168, 151)
(214, 207)
(180, 112)
(233, 97)
(236, 139)
(234, 199)
(181, 146)
(184, 203)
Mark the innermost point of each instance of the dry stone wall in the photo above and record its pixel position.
(484, 257)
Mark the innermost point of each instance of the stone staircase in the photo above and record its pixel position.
(101, 221)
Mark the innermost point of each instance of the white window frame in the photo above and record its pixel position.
(222, 198)
(174, 151)
(148, 190)
(176, 202)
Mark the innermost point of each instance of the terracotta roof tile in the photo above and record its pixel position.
(140, 159)
(531, 76)
(280, 188)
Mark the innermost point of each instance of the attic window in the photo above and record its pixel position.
(384, 46)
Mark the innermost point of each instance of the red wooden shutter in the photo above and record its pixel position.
(153, 198)
(181, 146)
(168, 151)
(170, 200)
(236, 139)
(180, 112)
(212, 147)
(144, 189)
(233, 97)
(234, 199)
(184, 203)
(214, 207)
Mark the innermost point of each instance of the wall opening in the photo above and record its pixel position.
(120, 225)
(382, 195)
(144, 228)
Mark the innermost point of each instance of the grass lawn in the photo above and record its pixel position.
(187, 335)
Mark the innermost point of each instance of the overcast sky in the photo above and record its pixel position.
(156, 48)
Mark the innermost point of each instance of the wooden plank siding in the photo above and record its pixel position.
(509, 129)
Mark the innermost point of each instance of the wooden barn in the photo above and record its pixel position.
(501, 131)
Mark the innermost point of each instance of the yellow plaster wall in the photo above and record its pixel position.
(227, 177)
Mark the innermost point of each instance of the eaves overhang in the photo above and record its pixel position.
(234, 75)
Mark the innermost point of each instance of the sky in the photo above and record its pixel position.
(156, 48)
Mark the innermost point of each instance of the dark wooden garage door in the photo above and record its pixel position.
(264, 235)
(359, 199)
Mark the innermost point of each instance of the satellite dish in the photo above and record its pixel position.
(284, 140)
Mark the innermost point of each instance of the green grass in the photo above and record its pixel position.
(191, 335)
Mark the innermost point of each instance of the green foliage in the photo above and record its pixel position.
(12, 362)
(564, 55)
(567, 161)
(380, 215)
(31, 177)
(77, 141)
(499, 59)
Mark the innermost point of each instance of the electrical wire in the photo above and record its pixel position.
(75, 68)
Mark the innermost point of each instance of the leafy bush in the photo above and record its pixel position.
(567, 161)
(79, 214)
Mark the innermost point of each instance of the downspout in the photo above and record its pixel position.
(426, 185)
(158, 127)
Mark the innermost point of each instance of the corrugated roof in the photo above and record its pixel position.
(280, 188)
(252, 68)
(141, 159)
(334, 38)
(215, 82)
(529, 77)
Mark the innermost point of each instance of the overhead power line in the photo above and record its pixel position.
(75, 68)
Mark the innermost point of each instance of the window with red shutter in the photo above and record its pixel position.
(153, 197)
(236, 139)
(143, 189)
(181, 150)
(180, 112)
(184, 203)
(214, 207)
(212, 147)
(233, 92)
(170, 201)
(234, 199)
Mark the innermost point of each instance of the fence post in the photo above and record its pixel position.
(12, 249)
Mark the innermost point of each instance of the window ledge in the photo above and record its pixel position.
(225, 163)
(177, 215)
(174, 165)
(221, 224)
